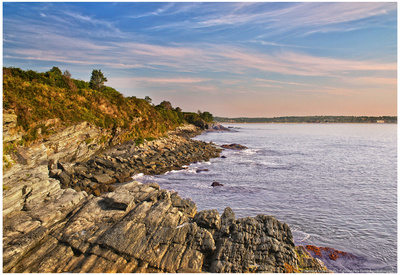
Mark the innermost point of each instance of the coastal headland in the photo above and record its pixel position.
(86, 216)
(70, 150)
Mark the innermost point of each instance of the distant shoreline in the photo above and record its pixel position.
(309, 122)
(312, 119)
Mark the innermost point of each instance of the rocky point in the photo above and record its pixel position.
(88, 216)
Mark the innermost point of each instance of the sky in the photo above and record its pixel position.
(239, 59)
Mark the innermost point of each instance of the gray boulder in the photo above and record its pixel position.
(208, 219)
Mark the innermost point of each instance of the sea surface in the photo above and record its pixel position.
(335, 185)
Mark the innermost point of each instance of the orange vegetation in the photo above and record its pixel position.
(333, 253)
(289, 269)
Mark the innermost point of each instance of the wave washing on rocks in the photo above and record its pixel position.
(117, 165)
(109, 225)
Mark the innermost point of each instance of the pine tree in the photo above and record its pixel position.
(97, 80)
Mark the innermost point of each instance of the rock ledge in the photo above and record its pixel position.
(141, 228)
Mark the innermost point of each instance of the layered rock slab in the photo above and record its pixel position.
(136, 228)
(140, 228)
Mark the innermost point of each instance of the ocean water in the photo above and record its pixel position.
(335, 185)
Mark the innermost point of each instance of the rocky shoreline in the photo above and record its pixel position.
(84, 217)
(120, 163)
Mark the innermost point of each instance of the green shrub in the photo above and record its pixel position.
(88, 140)
(139, 141)
(103, 139)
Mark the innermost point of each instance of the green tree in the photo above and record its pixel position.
(148, 99)
(56, 71)
(97, 80)
(207, 116)
(166, 105)
(56, 77)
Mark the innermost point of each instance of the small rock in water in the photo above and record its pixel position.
(223, 157)
(216, 183)
(234, 146)
(201, 170)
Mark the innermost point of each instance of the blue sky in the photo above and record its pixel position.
(235, 59)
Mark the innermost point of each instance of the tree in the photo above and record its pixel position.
(56, 77)
(97, 80)
(69, 81)
(207, 116)
(148, 99)
(67, 74)
(166, 105)
(55, 71)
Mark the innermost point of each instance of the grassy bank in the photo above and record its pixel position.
(45, 102)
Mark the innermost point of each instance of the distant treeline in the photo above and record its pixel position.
(310, 119)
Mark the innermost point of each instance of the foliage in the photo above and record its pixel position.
(166, 105)
(97, 80)
(196, 119)
(8, 148)
(148, 99)
(37, 97)
(139, 141)
(206, 116)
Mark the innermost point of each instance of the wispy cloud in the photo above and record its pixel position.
(270, 43)
(343, 92)
(64, 21)
(306, 18)
(321, 89)
(188, 57)
(156, 12)
(159, 81)
(298, 64)
(167, 10)
(372, 81)
(216, 49)
(284, 82)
